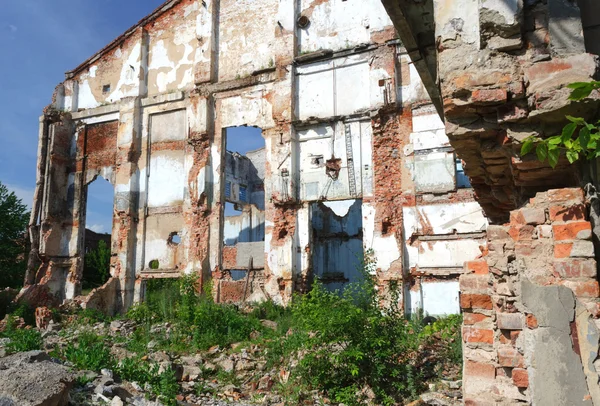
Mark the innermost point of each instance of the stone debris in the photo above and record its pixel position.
(236, 375)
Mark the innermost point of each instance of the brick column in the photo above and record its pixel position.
(530, 307)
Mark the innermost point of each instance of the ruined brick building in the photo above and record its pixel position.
(360, 129)
(355, 158)
(498, 71)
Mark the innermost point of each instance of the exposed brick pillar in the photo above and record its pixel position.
(530, 307)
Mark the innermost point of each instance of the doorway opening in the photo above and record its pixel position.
(100, 196)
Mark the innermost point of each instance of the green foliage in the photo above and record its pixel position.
(96, 270)
(13, 241)
(89, 352)
(163, 384)
(578, 139)
(21, 339)
(355, 344)
(220, 324)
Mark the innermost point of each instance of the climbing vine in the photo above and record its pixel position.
(578, 140)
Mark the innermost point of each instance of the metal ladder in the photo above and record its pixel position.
(350, 160)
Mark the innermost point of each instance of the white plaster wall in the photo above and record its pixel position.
(457, 18)
(436, 298)
(386, 249)
(166, 183)
(352, 21)
(447, 253)
(250, 108)
(324, 141)
(466, 217)
(340, 86)
(434, 172)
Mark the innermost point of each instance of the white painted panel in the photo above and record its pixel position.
(169, 126)
(167, 178)
(352, 87)
(434, 173)
(447, 253)
(315, 91)
(427, 122)
(315, 132)
(367, 158)
(353, 21)
(436, 298)
(158, 229)
(429, 140)
(450, 218)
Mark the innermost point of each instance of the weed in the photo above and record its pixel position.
(90, 353)
(23, 340)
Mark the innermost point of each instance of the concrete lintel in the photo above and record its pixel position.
(163, 98)
(98, 111)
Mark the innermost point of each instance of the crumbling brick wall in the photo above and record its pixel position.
(531, 305)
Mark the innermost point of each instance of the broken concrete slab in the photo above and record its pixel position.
(33, 379)
(556, 370)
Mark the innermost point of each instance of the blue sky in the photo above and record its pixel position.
(39, 41)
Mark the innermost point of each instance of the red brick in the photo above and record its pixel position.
(520, 378)
(478, 267)
(477, 335)
(489, 96)
(509, 337)
(475, 301)
(495, 232)
(567, 213)
(534, 216)
(480, 370)
(569, 231)
(565, 195)
(509, 321)
(531, 321)
(519, 233)
(473, 318)
(575, 268)
(583, 288)
(229, 257)
(562, 250)
(472, 283)
(509, 357)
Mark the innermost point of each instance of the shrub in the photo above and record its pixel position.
(350, 342)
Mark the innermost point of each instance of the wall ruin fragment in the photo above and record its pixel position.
(355, 158)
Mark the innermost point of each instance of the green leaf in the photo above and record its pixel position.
(554, 140)
(584, 137)
(568, 131)
(542, 152)
(580, 93)
(572, 156)
(576, 120)
(527, 146)
(579, 85)
(553, 157)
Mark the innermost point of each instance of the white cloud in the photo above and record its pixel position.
(25, 194)
(12, 28)
(97, 228)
